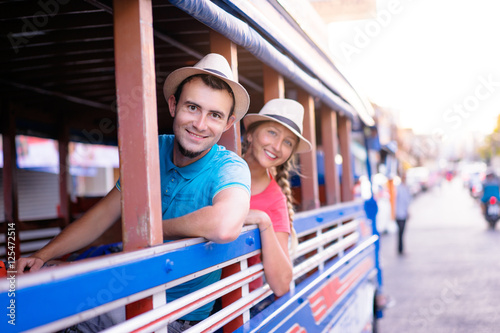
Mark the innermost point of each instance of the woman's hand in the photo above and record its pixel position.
(275, 257)
(258, 217)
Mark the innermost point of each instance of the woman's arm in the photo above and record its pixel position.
(275, 258)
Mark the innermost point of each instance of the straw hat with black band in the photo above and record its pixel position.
(286, 112)
(216, 65)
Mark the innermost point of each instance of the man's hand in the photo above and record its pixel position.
(30, 264)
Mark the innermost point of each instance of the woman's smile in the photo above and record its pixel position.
(271, 155)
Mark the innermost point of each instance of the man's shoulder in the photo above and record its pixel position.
(165, 139)
(228, 164)
(165, 146)
(221, 153)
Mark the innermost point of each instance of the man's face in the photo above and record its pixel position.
(200, 118)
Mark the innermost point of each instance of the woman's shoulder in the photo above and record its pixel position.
(271, 195)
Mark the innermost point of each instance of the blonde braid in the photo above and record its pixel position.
(282, 174)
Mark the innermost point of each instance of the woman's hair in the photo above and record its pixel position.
(282, 178)
(281, 174)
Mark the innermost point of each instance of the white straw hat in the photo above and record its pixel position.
(288, 113)
(216, 65)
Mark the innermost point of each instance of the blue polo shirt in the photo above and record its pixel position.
(184, 190)
(187, 189)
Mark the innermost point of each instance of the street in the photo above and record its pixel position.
(448, 279)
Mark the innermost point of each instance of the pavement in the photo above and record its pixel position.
(448, 278)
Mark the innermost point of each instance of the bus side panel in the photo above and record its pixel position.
(341, 301)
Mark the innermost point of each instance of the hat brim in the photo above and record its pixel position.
(241, 98)
(304, 145)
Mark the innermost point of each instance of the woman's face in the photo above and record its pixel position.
(271, 144)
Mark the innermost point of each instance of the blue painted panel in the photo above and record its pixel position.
(299, 311)
(48, 302)
(65, 297)
(323, 217)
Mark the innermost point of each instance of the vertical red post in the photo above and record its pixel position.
(138, 130)
(308, 161)
(11, 207)
(223, 46)
(344, 128)
(274, 84)
(330, 149)
(63, 142)
(231, 140)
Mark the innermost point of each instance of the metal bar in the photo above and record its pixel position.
(300, 294)
(97, 264)
(171, 311)
(225, 315)
(328, 253)
(327, 218)
(66, 322)
(325, 238)
(116, 280)
(143, 272)
(324, 225)
(228, 299)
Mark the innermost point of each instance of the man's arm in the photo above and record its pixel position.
(220, 223)
(78, 234)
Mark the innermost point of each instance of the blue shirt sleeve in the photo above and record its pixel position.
(234, 172)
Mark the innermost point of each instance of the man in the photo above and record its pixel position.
(403, 200)
(205, 188)
(491, 188)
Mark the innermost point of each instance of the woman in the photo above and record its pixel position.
(271, 138)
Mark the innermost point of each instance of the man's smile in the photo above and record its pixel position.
(196, 136)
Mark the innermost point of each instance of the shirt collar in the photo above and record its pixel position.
(190, 170)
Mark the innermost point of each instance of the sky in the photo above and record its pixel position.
(434, 62)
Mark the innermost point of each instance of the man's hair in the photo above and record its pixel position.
(211, 81)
